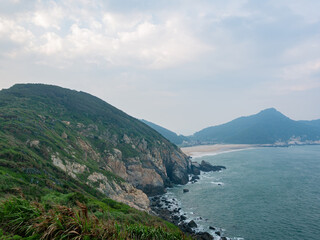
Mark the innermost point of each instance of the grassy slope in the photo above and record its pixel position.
(40, 112)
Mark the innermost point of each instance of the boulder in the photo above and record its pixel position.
(203, 236)
(195, 168)
(185, 228)
(185, 190)
(182, 218)
(195, 178)
(207, 167)
(192, 224)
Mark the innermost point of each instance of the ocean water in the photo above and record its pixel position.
(264, 194)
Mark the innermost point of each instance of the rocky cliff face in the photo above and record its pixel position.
(88, 140)
(156, 165)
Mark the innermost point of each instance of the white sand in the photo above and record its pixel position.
(206, 150)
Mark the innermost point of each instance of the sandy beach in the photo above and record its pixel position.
(204, 150)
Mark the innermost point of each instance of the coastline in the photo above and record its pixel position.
(209, 150)
(168, 207)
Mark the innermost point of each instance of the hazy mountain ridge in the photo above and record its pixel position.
(266, 127)
(71, 141)
(171, 136)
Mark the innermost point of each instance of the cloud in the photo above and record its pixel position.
(159, 58)
(108, 38)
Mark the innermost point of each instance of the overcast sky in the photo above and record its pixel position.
(184, 65)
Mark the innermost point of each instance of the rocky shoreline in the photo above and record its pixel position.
(169, 209)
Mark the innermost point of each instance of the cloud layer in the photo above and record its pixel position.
(201, 62)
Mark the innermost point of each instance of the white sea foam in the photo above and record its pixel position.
(213, 153)
(218, 183)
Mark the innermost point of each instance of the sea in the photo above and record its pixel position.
(264, 194)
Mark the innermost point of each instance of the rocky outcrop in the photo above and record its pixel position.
(205, 167)
(156, 167)
(120, 191)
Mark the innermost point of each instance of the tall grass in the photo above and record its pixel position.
(31, 219)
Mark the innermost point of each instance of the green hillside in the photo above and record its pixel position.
(59, 146)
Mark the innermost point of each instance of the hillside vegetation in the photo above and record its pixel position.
(62, 151)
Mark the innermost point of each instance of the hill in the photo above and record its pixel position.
(67, 160)
(171, 136)
(65, 140)
(267, 127)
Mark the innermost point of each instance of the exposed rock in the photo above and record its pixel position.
(87, 148)
(66, 123)
(182, 218)
(70, 168)
(143, 145)
(76, 167)
(185, 228)
(212, 228)
(203, 236)
(126, 139)
(34, 143)
(145, 179)
(185, 190)
(192, 224)
(194, 178)
(207, 167)
(195, 168)
(120, 191)
(58, 162)
(115, 165)
(64, 135)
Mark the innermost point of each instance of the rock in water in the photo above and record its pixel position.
(207, 167)
(195, 168)
(203, 236)
(185, 190)
(192, 224)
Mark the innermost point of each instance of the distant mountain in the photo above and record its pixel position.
(267, 127)
(171, 136)
(315, 123)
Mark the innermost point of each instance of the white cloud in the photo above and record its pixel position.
(9, 29)
(109, 38)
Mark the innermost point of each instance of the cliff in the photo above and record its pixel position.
(60, 139)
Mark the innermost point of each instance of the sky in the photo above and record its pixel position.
(182, 64)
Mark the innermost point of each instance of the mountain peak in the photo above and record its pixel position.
(271, 112)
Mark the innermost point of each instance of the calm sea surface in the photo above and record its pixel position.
(264, 194)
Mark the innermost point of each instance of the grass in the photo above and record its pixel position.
(23, 219)
(44, 194)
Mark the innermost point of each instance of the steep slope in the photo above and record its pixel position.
(55, 138)
(267, 127)
(171, 136)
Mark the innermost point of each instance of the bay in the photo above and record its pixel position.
(265, 193)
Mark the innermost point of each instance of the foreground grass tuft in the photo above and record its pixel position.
(22, 219)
